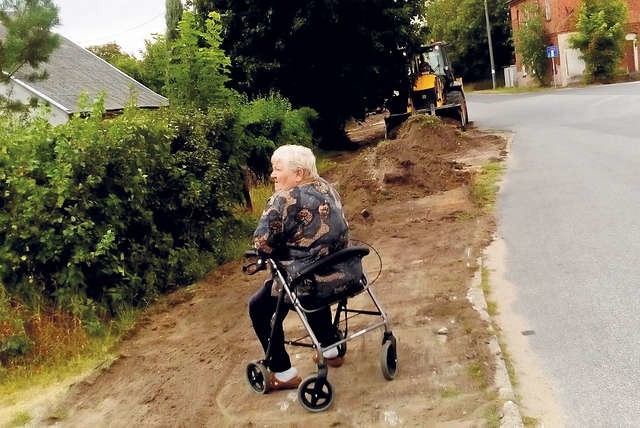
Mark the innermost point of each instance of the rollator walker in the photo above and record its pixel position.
(306, 292)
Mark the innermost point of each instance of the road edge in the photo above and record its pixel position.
(510, 416)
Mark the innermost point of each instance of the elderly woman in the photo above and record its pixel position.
(302, 222)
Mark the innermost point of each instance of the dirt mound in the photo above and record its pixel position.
(416, 164)
(425, 159)
(409, 199)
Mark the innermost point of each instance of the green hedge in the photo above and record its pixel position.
(105, 213)
(115, 211)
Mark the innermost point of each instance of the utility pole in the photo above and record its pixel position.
(493, 68)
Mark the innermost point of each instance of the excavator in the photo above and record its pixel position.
(433, 89)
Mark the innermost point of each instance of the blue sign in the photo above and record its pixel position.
(552, 51)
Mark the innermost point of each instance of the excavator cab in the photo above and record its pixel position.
(433, 89)
(427, 90)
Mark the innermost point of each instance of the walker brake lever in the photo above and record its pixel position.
(254, 267)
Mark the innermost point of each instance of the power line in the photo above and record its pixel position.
(120, 33)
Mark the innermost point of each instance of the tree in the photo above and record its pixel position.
(155, 62)
(201, 8)
(600, 37)
(339, 58)
(25, 36)
(173, 15)
(112, 53)
(531, 43)
(462, 25)
(198, 67)
(151, 70)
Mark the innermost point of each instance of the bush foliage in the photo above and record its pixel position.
(111, 212)
(102, 214)
(531, 42)
(600, 37)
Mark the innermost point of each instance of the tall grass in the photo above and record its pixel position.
(485, 185)
(248, 216)
(325, 164)
(260, 194)
(60, 346)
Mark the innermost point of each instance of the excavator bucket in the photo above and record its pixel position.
(392, 121)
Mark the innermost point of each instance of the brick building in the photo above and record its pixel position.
(560, 19)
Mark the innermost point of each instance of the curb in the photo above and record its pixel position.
(510, 417)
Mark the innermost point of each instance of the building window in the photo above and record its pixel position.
(547, 10)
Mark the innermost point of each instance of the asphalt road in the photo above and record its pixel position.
(570, 216)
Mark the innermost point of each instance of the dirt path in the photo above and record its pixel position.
(185, 363)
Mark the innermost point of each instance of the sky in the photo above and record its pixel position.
(97, 22)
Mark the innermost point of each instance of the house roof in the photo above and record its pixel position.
(72, 70)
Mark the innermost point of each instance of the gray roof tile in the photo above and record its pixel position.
(72, 69)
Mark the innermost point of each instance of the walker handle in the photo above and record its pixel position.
(253, 267)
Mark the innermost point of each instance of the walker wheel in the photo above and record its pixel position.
(257, 376)
(315, 393)
(389, 358)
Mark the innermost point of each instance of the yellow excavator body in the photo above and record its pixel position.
(433, 89)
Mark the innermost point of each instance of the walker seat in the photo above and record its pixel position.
(330, 279)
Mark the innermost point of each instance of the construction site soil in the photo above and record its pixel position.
(410, 199)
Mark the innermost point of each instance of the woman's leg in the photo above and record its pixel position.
(322, 325)
(262, 306)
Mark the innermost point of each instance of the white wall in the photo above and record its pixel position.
(16, 92)
(571, 66)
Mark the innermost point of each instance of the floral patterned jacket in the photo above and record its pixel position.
(300, 225)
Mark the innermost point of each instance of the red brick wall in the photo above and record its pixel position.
(563, 16)
(634, 10)
(563, 13)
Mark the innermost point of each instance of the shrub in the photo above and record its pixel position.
(531, 43)
(266, 123)
(99, 215)
(600, 37)
(112, 211)
(14, 346)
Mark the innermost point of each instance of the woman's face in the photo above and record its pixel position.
(283, 178)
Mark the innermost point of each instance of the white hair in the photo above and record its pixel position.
(294, 157)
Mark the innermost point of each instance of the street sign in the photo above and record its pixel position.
(552, 52)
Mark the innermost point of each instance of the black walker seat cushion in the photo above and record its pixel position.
(330, 279)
